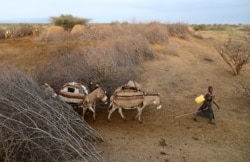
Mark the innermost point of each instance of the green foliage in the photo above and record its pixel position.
(68, 21)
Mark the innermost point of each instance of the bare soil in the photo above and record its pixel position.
(179, 78)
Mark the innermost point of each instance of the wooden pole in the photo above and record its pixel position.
(178, 116)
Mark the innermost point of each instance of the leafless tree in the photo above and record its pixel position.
(235, 54)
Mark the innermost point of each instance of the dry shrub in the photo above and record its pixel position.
(77, 28)
(110, 62)
(53, 33)
(2, 33)
(156, 33)
(22, 30)
(65, 68)
(85, 65)
(179, 30)
(104, 32)
(88, 33)
(235, 52)
(131, 50)
(120, 52)
(37, 30)
(35, 127)
(245, 28)
(96, 32)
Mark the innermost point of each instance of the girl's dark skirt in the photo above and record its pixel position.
(206, 111)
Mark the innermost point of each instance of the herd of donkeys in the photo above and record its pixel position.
(127, 96)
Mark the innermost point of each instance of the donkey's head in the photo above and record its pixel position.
(157, 101)
(49, 90)
(101, 94)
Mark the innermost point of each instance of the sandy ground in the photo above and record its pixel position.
(179, 78)
(162, 137)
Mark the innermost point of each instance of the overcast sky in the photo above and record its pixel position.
(106, 11)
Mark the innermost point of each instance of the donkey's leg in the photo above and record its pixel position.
(111, 111)
(94, 104)
(93, 110)
(120, 112)
(139, 114)
(110, 106)
(83, 112)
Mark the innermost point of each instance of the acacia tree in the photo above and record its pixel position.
(235, 54)
(68, 21)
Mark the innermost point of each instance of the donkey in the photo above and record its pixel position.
(131, 85)
(49, 90)
(73, 93)
(148, 99)
(91, 99)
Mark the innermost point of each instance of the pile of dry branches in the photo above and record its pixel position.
(35, 127)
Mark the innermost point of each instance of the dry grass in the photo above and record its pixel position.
(179, 30)
(77, 28)
(156, 33)
(102, 61)
(53, 34)
(19, 30)
(2, 33)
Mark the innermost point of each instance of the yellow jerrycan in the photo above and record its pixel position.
(200, 99)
